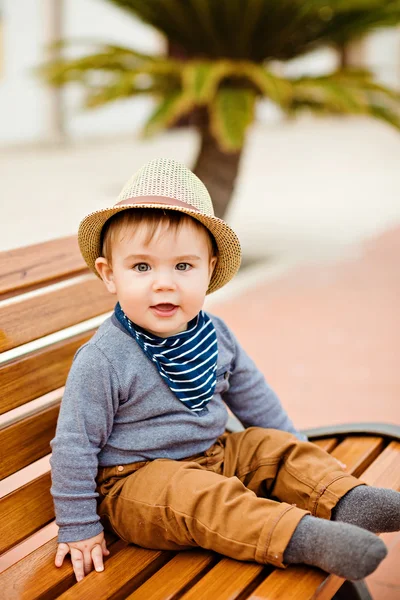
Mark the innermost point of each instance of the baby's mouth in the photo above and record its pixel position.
(164, 309)
(164, 306)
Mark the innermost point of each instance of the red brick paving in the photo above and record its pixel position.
(327, 337)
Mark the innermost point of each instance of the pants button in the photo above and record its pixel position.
(120, 468)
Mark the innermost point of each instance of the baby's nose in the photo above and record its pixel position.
(164, 280)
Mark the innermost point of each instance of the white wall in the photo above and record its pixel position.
(382, 53)
(21, 95)
(24, 99)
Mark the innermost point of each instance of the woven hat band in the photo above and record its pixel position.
(157, 200)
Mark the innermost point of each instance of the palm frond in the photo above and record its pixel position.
(261, 29)
(170, 108)
(346, 92)
(231, 112)
(388, 115)
(125, 86)
(201, 78)
(277, 89)
(110, 59)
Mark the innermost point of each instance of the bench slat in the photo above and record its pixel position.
(328, 444)
(297, 582)
(27, 440)
(358, 453)
(385, 471)
(125, 571)
(47, 262)
(32, 376)
(25, 511)
(228, 580)
(172, 579)
(36, 576)
(46, 313)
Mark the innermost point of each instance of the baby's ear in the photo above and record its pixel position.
(106, 273)
(213, 262)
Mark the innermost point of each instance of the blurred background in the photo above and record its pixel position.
(288, 111)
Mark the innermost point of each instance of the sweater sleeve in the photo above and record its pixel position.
(84, 424)
(250, 397)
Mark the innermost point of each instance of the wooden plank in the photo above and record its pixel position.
(27, 440)
(328, 588)
(124, 572)
(360, 448)
(385, 470)
(25, 511)
(228, 580)
(36, 576)
(32, 376)
(46, 313)
(358, 452)
(297, 582)
(23, 269)
(176, 576)
(327, 444)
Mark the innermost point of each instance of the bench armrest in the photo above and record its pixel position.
(383, 429)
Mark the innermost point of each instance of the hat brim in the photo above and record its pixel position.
(229, 252)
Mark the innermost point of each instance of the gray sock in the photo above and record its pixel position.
(373, 508)
(345, 550)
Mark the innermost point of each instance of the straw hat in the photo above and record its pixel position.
(167, 184)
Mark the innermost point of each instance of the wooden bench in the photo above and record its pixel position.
(49, 306)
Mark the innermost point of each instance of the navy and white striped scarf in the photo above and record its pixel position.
(186, 361)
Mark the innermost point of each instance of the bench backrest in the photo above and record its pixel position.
(49, 306)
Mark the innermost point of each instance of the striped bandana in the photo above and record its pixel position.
(186, 361)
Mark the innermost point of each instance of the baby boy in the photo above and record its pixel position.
(141, 447)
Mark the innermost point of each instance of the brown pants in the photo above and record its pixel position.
(222, 498)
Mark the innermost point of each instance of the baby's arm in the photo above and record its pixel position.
(83, 553)
(84, 425)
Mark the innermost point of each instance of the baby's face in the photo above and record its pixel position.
(161, 285)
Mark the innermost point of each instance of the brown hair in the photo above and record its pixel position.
(152, 218)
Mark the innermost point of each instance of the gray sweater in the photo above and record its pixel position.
(117, 410)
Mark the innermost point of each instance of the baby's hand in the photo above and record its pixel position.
(82, 554)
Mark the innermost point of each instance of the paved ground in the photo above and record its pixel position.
(327, 336)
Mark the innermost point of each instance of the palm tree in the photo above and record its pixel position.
(225, 59)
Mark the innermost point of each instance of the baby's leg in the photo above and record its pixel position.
(179, 504)
(175, 505)
(274, 463)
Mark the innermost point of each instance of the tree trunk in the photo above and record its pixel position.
(217, 170)
(352, 54)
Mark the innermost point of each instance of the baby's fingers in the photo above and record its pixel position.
(106, 551)
(62, 551)
(77, 563)
(97, 557)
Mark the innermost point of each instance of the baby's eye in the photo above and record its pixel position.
(142, 267)
(183, 267)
